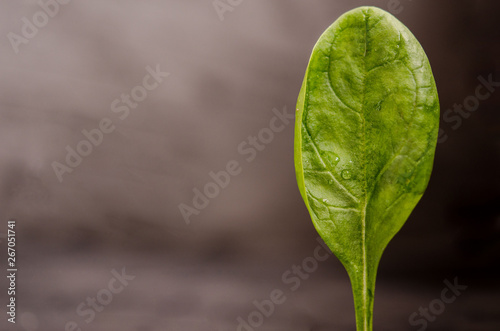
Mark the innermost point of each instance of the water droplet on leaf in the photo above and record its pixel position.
(346, 174)
(331, 158)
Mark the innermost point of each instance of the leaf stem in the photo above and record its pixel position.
(363, 303)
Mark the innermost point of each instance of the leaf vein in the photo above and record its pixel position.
(316, 150)
(332, 206)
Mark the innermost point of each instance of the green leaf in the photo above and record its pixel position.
(365, 135)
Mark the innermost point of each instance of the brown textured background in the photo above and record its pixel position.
(119, 208)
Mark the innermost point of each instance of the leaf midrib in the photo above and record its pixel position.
(363, 213)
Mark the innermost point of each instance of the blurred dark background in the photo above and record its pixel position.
(120, 206)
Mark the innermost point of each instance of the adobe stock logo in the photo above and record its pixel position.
(121, 107)
(30, 28)
(395, 6)
(223, 6)
(437, 306)
(250, 148)
(291, 282)
(93, 305)
(484, 90)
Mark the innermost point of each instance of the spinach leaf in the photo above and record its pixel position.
(365, 135)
